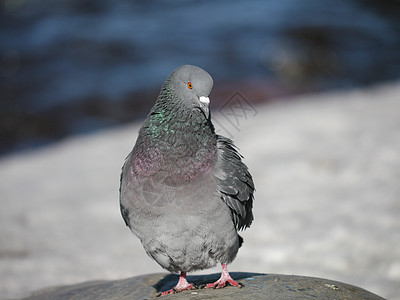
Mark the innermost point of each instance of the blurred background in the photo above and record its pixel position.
(318, 80)
(73, 66)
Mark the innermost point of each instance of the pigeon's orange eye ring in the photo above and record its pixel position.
(189, 84)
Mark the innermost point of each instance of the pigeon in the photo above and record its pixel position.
(184, 190)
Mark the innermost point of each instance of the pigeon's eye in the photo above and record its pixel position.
(190, 86)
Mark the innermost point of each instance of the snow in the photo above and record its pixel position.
(326, 169)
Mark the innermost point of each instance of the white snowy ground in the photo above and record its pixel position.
(327, 172)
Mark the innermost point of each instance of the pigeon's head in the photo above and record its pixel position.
(192, 86)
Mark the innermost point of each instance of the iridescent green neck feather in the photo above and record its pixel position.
(175, 135)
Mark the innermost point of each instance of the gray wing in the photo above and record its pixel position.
(124, 210)
(235, 183)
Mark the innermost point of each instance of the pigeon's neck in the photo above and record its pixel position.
(180, 130)
(182, 143)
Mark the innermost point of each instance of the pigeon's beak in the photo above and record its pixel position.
(205, 105)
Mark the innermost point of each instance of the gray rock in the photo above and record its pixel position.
(256, 286)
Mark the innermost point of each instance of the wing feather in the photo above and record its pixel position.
(235, 183)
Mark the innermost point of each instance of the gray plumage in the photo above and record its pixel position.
(184, 189)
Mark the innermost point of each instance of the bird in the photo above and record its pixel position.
(184, 190)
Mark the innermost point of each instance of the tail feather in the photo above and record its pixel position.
(240, 241)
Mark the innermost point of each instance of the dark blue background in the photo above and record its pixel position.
(74, 66)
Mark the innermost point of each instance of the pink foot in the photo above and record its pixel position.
(225, 278)
(182, 285)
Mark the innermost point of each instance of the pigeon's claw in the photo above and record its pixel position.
(175, 290)
(221, 283)
(224, 279)
(182, 285)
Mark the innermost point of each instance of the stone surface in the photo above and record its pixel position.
(256, 286)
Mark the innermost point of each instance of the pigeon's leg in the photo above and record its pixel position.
(225, 277)
(180, 286)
